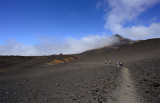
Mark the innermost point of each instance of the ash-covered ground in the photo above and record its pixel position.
(87, 79)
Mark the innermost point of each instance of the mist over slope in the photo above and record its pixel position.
(49, 47)
(120, 43)
(128, 52)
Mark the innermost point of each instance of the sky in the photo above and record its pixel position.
(45, 27)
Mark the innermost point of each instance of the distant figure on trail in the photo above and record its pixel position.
(105, 62)
(119, 64)
(110, 62)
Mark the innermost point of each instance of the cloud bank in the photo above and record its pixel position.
(71, 46)
(123, 11)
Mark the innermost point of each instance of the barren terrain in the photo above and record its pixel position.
(86, 79)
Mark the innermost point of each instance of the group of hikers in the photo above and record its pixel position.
(118, 63)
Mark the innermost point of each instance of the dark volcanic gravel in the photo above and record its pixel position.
(65, 83)
(147, 79)
(87, 80)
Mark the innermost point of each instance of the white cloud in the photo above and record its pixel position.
(89, 42)
(48, 47)
(14, 48)
(123, 11)
(143, 32)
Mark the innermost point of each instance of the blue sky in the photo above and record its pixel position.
(35, 19)
(31, 24)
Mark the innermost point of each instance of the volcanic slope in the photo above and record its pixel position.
(89, 79)
(141, 62)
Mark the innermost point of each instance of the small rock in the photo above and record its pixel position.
(128, 86)
(8, 92)
(145, 79)
(156, 84)
(101, 100)
(27, 80)
(147, 91)
(94, 91)
(105, 90)
(57, 84)
(74, 96)
(112, 86)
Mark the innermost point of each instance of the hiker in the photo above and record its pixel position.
(105, 62)
(110, 62)
(119, 64)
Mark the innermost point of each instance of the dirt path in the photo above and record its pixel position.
(69, 83)
(126, 92)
